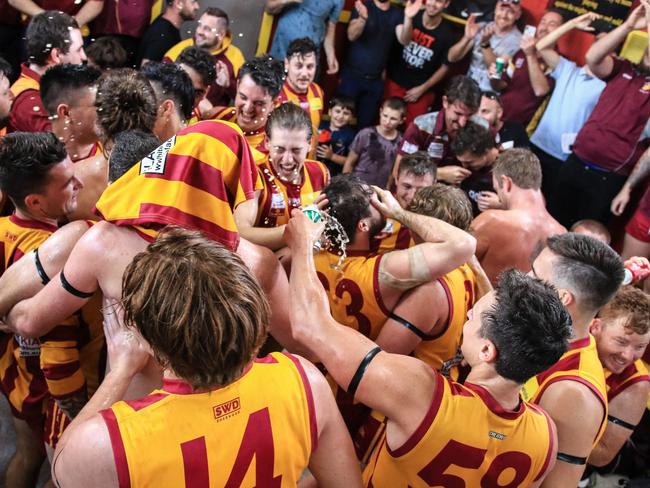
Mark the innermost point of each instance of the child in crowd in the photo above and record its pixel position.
(336, 135)
(374, 149)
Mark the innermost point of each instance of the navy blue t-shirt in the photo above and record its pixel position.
(340, 141)
(368, 55)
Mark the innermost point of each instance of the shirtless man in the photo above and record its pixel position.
(587, 273)
(506, 238)
(100, 256)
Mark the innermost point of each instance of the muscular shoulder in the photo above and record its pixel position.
(486, 221)
(567, 401)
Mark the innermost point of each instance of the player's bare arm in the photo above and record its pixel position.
(245, 217)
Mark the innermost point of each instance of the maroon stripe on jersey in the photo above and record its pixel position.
(10, 374)
(60, 371)
(579, 344)
(195, 463)
(494, 406)
(38, 390)
(616, 383)
(450, 307)
(416, 437)
(611, 394)
(18, 253)
(551, 440)
(145, 401)
(3, 267)
(375, 286)
(459, 390)
(403, 240)
(317, 174)
(568, 363)
(119, 453)
(268, 359)
(32, 224)
(313, 425)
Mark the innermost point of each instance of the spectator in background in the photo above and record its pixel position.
(507, 133)
(422, 63)
(374, 148)
(592, 228)
(335, 135)
(164, 32)
(306, 18)
(52, 38)
(609, 144)
(106, 53)
(6, 98)
(372, 30)
(11, 35)
(199, 65)
(526, 81)
(487, 41)
(576, 93)
(433, 132)
(212, 33)
(83, 11)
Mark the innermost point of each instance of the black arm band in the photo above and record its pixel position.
(72, 290)
(361, 370)
(410, 326)
(620, 423)
(45, 279)
(568, 458)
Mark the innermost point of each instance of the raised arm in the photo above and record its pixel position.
(328, 47)
(404, 31)
(545, 46)
(28, 7)
(90, 10)
(459, 50)
(356, 25)
(538, 79)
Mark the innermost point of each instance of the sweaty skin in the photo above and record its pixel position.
(506, 238)
(93, 173)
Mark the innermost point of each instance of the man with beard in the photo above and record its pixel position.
(609, 144)
(290, 180)
(212, 33)
(164, 32)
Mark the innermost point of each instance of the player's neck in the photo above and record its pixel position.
(382, 5)
(580, 324)
(530, 200)
(295, 89)
(504, 391)
(26, 215)
(431, 22)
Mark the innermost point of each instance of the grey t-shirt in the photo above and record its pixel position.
(376, 156)
(505, 45)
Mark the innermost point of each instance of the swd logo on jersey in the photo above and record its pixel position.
(497, 436)
(154, 162)
(227, 409)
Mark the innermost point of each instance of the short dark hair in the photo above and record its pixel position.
(26, 159)
(395, 103)
(554, 10)
(217, 12)
(5, 68)
(521, 166)
(170, 81)
(125, 100)
(474, 139)
(46, 31)
(302, 47)
(447, 203)
(528, 325)
(129, 147)
(61, 83)
(349, 201)
(201, 61)
(419, 164)
(492, 95)
(107, 53)
(587, 267)
(266, 72)
(464, 90)
(288, 116)
(594, 227)
(342, 101)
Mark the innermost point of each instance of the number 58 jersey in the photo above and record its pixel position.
(467, 439)
(258, 431)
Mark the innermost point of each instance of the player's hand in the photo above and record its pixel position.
(414, 94)
(487, 32)
(471, 27)
(127, 351)
(488, 200)
(527, 45)
(300, 232)
(583, 22)
(454, 175)
(636, 20)
(621, 200)
(223, 75)
(361, 9)
(386, 203)
(412, 8)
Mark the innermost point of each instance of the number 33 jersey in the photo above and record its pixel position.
(258, 431)
(468, 440)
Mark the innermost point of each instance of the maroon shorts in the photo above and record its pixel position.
(639, 226)
(413, 109)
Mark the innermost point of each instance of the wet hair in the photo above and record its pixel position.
(594, 227)
(527, 324)
(46, 31)
(129, 147)
(521, 166)
(302, 47)
(349, 201)
(632, 304)
(61, 84)
(342, 101)
(587, 267)
(288, 116)
(267, 73)
(473, 139)
(418, 164)
(395, 103)
(201, 61)
(444, 202)
(26, 159)
(211, 328)
(172, 82)
(107, 53)
(464, 90)
(125, 100)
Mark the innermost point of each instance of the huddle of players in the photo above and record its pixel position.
(206, 338)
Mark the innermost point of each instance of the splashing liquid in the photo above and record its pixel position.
(333, 239)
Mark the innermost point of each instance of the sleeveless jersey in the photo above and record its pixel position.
(580, 363)
(255, 138)
(440, 351)
(617, 383)
(399, 238)
(194, 180)
(258, 431)
(467, 439)
(353, 290)
(279, 198)
(311, 102)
